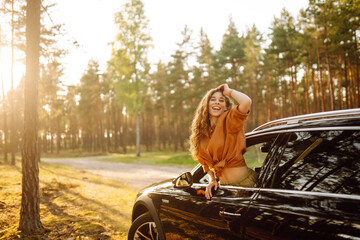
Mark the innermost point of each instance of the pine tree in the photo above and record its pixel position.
(30, 200)
(129, 65)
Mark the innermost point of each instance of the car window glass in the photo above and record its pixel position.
(323, 161)
(256, 154)
(257, 149)
(271, 164)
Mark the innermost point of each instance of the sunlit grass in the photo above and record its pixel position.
(171, 158)
(153, 158)
(71, 154)
(74, 204)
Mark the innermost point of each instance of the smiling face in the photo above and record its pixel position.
(217, 104)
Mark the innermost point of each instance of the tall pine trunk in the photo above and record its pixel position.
(340, 83)
(108, 129)
(293, 92)
(269, 99)
(58, 135)
(347, 86)
(357, 71)
(12, 120)
(322, 90)
(306, 90)
(316, 94)
(328, 67)
(30, 200)
(5, 130)
(138, 134)
(353, 96)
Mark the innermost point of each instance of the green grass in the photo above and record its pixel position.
(74, 204)
(252, 156)
(71, 154)
(154, 158)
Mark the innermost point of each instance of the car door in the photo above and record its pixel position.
(313, 190)
(186, 214)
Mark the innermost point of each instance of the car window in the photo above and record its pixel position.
(322, 161)
(256, 154)
(257, 149)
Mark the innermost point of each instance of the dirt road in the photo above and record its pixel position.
(135, 175)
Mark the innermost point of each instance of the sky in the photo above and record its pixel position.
(90, 23)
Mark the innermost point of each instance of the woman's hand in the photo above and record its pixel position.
(212, 184)
(226, 90)
(244, 102)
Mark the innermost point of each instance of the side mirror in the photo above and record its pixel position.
(184, 180)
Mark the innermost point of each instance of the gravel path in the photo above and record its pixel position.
(135, 175)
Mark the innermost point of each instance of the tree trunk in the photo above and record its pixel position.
(175, 137)
(284, 99)
(116, 121)
(12, 120)
(123, 129)
(322, 90)
(30, 200)
(254, 94)
(329, 78)
(160, 126)
(108, 129)
(357, 72)
(352, 84)
(44, 142)
(5, 130)
(102, 132)
(347, 85)
(38, 157)
(306, 90)
(180, 131)
(340, 82)
(276, 95)
(168, 134)
(269, 99)
(293, 92)
(316, 93)
(138, 134)
(51, 141)
(58, 135)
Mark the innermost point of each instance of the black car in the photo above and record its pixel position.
(308, 188)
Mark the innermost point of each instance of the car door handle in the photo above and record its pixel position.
(229, 214)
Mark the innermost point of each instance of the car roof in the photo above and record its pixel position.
(341, 118)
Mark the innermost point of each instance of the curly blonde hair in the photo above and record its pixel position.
(201, 122)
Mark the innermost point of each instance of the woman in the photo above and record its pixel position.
(217, 140)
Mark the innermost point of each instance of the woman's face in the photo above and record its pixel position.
(217, 104)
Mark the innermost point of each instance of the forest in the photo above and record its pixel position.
(308, 63)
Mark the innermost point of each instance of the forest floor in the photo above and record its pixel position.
(80, 198)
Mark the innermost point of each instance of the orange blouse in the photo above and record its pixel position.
(226, 145)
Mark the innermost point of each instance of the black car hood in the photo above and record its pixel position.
(154, 185)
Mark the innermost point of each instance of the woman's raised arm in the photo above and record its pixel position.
(242, 99)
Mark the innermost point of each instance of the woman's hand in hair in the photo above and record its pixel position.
(226, 90)
(244, 102)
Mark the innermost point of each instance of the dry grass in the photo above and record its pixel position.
(74, 204)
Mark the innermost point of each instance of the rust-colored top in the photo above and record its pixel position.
(224, 148)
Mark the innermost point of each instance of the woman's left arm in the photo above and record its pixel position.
(242, 99)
